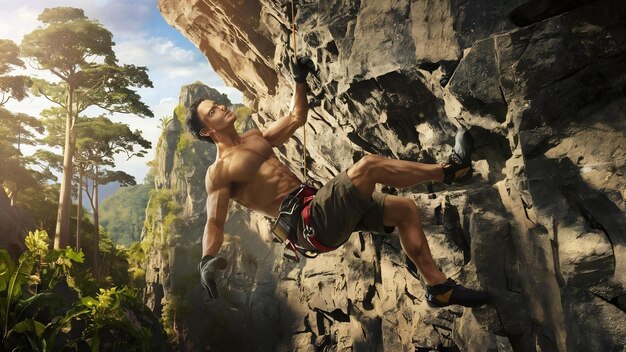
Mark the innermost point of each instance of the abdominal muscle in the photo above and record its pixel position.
(266, 188)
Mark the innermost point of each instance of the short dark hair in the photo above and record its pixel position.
(194, 125)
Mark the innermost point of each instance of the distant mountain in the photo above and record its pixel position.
(122, 213)
(104, 192)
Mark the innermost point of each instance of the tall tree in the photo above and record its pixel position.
(11, 86)
(100, 140)
(79, 52)
(17, 130)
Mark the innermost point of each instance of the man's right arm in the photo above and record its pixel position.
(217, 208)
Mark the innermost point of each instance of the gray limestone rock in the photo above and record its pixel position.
(541, 225)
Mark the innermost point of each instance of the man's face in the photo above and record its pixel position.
(215, 117)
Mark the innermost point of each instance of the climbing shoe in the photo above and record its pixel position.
(451, 292)
(208, 268)
(458, 169)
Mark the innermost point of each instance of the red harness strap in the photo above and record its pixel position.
(306, 196)
(306, 216)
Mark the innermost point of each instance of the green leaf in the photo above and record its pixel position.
(7, 267)
(89, 301)
(39, 328)
(38, 302)
(37, 242)
(23, 326)
(18, 278)
(78, 257)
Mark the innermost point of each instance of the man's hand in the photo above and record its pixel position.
(208, 268)
(299, 69)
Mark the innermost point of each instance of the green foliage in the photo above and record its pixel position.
(67, 41)
(99, 139)
(40, 203)
(79, 53)
(184, 142)
(243, 112)
(136, 260)
(35, 314)
(243, 117)
(185, 139)
(11, 86)
(161, 202)
(18, 172)
(37, 243)
(61, 15)
(123, 212)
(167, 316)
(165, 121)
(180, 113)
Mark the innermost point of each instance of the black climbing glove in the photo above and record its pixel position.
(208, 268)
(300, 69)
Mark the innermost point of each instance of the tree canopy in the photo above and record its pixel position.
(79, 52)
(11, 86)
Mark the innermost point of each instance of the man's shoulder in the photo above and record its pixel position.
(216, 176)
(255, 132)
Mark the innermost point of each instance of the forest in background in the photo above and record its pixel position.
(77, 278)
(71, 287)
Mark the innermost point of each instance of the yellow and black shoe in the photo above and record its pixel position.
(458, 169)
(450, 292)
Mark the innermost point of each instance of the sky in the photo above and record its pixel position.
(142, 38)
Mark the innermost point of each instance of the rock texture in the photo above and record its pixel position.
(542, 224)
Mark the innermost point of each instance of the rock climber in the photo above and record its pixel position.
(247, 171)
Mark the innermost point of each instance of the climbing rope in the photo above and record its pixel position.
(295, 54)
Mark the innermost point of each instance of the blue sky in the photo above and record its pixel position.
(142, 38)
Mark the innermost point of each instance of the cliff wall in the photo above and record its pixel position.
(542, 225)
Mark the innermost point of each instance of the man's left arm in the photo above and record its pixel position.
(280, 130)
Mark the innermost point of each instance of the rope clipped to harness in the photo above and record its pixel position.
(294, 214)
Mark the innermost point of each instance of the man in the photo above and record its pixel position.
(247, 171)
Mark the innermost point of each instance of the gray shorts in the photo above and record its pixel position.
(339, 209)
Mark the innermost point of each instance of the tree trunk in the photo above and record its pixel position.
(79, 210)
(62, 233)
(19, 153)
(96, 224)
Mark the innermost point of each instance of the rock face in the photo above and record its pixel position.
(542, 224)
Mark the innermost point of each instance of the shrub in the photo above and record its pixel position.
(42, 306)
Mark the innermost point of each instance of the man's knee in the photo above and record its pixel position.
(410, 211)
(367, 165)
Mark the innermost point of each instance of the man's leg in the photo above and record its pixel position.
(373, 169)
(404, 214)
(401, 212)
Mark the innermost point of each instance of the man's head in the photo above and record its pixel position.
(206, 119)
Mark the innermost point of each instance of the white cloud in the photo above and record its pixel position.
(17, 21)
(155, 52)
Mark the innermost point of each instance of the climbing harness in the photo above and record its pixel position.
(294, 217)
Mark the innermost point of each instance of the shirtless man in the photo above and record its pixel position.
(247, 171)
